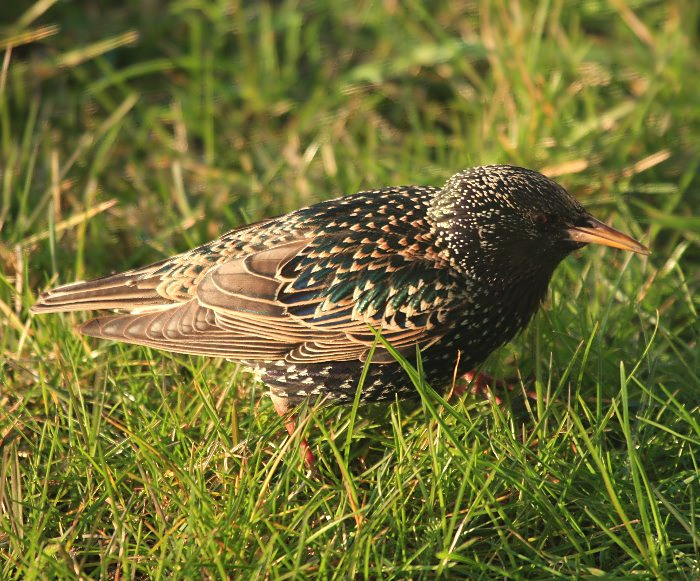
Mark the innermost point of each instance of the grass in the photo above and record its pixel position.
(146, 128)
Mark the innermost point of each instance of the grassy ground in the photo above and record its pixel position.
(141, 129)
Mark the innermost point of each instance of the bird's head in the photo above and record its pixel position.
(504, 223)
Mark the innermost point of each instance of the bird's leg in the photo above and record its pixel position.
(282, 408)
(480, 384)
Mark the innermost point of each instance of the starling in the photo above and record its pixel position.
(460, 268)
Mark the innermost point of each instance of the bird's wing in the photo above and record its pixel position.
(350, 282)
(307, 300)
(304, 288)
(163, 284)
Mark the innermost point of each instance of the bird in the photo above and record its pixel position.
(454, 271)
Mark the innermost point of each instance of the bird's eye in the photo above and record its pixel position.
(542, 219)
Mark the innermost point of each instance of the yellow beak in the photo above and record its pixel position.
(599, 233)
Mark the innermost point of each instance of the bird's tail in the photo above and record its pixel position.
(127, 290)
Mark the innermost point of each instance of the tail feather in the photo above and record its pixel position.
(129, 290)
(186, 328)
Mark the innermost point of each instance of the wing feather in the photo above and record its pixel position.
(304, 291)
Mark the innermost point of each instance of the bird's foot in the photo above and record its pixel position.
(309, 457)
(481, 385)
(282, 408)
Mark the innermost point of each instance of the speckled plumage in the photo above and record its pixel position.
(459, 268)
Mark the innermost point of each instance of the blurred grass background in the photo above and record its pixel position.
(133, 130)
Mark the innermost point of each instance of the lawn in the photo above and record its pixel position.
(136, 130)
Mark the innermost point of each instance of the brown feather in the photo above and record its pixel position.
(231, 306)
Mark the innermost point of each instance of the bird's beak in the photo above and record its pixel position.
(595, 232)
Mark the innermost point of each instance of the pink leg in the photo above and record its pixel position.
(480, 384)
(282, 408)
